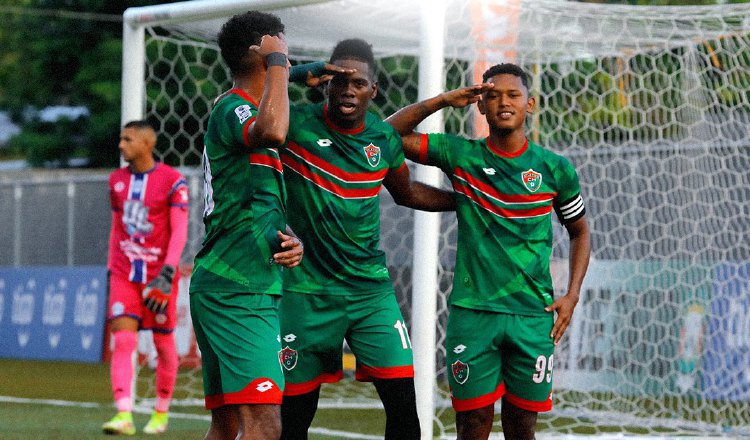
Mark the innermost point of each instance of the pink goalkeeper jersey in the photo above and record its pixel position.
(140, 233)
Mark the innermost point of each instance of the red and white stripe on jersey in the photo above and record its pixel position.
(332, 178)
(499, 204)
(269, 157)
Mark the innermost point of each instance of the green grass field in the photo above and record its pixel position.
(65, 400)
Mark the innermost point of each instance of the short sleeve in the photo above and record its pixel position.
(568, 204)
(236, 119)
(436, 149)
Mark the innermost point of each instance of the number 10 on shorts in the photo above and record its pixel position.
(403, 333)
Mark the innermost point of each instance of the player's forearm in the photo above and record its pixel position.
(178, 224)
(299, 72)
(407, 119)
(272, 123)
(580, 253)
(427, 198)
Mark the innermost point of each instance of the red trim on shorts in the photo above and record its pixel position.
(478, 402)
(367, 374)
(296, 389)
(423, 145)
(530, 405)
(248, 395)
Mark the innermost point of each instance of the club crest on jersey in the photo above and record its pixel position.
(288, 357)
(531, 180)
(460, 372)
(373, 155)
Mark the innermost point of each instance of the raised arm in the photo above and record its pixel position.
(272, 122)
(407, 119)
(317, 73)
(417, 195)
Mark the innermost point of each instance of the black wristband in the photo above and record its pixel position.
(276, 59)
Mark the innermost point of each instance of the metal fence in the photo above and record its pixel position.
(63, 219)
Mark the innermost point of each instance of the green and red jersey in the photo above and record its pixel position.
(333, 178)
(504, 209)
(244, 205)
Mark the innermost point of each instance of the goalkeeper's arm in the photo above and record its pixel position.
(157, 293)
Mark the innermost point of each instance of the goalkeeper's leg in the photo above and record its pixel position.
(122, 368)
(166, 369)
(166, 375)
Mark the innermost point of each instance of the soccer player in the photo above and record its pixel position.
(149, 230)
(506, 189)
(236, 281)
(337, 157)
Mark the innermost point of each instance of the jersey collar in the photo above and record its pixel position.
(495, 149)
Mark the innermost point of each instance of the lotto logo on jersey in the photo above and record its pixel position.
(243, 113)
(288, 358)
(373, 155)
(460, 372)
(531, 180)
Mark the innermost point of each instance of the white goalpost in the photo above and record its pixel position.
(652, 106)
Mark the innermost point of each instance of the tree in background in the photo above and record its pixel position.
(63, 52)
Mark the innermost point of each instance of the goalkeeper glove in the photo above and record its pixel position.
(156, 294)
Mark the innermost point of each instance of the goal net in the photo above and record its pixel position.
(652, 106)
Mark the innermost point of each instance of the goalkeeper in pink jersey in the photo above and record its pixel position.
(149, 229)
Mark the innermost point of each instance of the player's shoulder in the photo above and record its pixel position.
(236, 103)
(302, 112)
(119, 173)
(166, 176)
(548, 155)
(374, 123)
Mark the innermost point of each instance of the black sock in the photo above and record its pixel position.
(400, 402)
(297, 413)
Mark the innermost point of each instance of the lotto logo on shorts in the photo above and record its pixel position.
(264, 386)
(460, 372)
(288, 358)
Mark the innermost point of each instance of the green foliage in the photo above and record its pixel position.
(48, 144)
(64, 53)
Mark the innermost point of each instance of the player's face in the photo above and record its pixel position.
(133, 144)
(350, 95)
(506, 104)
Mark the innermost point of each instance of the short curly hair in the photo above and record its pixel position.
(507, 68)
(242, 31)
(354, 49)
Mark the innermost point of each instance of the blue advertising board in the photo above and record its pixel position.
(53, 313)
(727, 355)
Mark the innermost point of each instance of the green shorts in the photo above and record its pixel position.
(491, 355)
(238, 336)
(314, 327)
